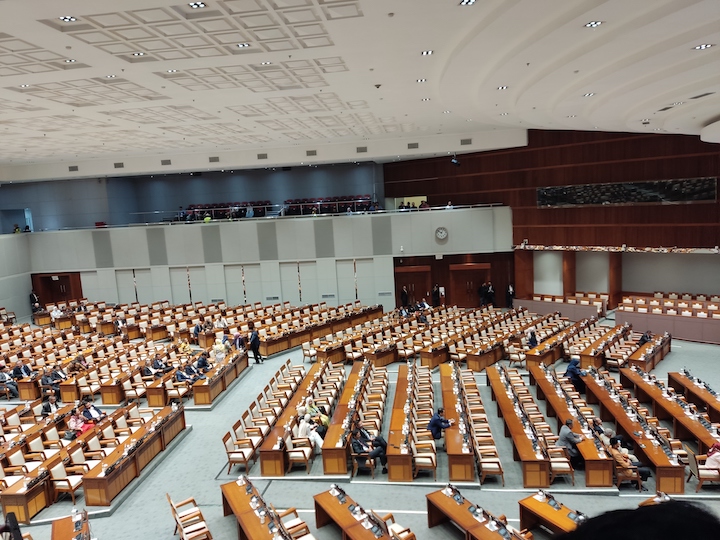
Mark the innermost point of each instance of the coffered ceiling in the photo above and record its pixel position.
(93, 83)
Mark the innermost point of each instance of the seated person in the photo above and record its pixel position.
(182, 376)
(159, 365)
(219, 350)
(647, 336)
(7, 382)
(422, 319)
(309, 430)
(569, 439)
(359, 447)
(50, 406)
(78, 423)
(368, 438)
(532, 339)
(184, 347)
(623, 461)
(574, 373)
(196, 331)
(21, 370)
(317, 414)
(438, 423)
(149, 371)
(92, 413)
(207, 325)
(203, 364)
(57, 374)
(193, 372)
(47, 380)
(56, 313)
(597, 426)
(239, 342)
(713, 457)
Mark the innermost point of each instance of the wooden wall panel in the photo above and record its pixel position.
(554, 158)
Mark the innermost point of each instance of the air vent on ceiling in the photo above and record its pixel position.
(361, 149)
(665, 108)
(311, 153)
(165, 162)
(119, 165)
(214, 159)
(465, 142)
(262, 156)
(413, 145)
(73, 168)
(702, 95)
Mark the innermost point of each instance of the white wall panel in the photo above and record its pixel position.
(327, 281)
(345, 270)
(253, 283)
(125, 286)
(215, 277)
(548, 272)
(271, 282)
(290, 283)
(144, 284)
(179, 285)
(692, 273)
(129, 247)
(239, 241)
(309, 283)
(160, 276)
(198, 284)
(592, 271)
(234, 285)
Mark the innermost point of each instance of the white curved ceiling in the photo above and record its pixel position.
(333, 75)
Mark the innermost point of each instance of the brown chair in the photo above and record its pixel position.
(295, 526)
(629, 474)
(394, 529)
(64, 483)
(699, 471)
(188, 516)
(362, 461)
(238, 452)
(299, 451)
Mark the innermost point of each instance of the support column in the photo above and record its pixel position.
(615, 279)
(568, 263)
(524, 274)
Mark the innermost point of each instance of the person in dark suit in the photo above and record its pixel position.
(482, 293)
(47, 380)
(438, 423)
(35, 301)
(436, 295)
(92, 413)
(50, 406)
(21, 370)
(490, 294)
(159, 365)
(510, 296)
(203, 364)
(7, 381)
(360, 447)
(404, 298)
(254, 340)
(182, 376)
(193, 372)
(196, 331)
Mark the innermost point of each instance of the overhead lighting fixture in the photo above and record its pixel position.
(467, 2)
(427, 53)
(455, 160)
(703, 46)
(69, 61)
(503, 114)
(422, 80)
(24, 85)
(572, 116)
(589, 94)
(172, 70)
(426, 99)
(675, 104)
(242, 45)
(503, 87)
(446, 112)
(138, 54)
(67, 18)
(593, 24)
(196, 5)
(110, 76)
(265, 63)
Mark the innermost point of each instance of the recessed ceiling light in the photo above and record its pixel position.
(67, 18)
(678, 103)
(265, 63)
(503, 87)
(447, 112)
(427, 53)
(241, 45)
(110, 76)
(196, 5)
(467, 2)
(138, 54)
(703, 46)
(24, 85)
(645, 120)
(172, 70)
(426, 99)
(69, 61)
(503, 114)
(421, 80)
(593, 24)
(589, 94)
(572, 116)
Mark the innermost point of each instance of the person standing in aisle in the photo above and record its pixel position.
(254, 340)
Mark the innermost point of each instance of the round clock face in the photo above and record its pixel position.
(441, 233)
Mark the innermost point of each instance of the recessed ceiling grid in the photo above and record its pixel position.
(159, 115)
(19, 57)
(283, 106)
(64, 122)
(179, 32)
(8, 107)
(90, 92)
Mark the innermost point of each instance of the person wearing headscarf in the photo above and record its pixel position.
(573, 373)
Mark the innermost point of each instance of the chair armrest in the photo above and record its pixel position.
(83, 468)
(243, 443)
(92, 453)
(16, 468)
(302, 441)
(32, 456)
(56, 444)
(187, 501)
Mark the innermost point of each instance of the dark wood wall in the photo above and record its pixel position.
(555, 158)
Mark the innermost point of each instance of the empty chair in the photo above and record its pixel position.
(238, 452)
(64, 483)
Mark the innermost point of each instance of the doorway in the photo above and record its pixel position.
(417, 281)
(465, 280)
(54, 288)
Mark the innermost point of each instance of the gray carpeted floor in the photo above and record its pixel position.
(196, 466)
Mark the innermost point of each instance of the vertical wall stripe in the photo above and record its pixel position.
(157, 249)
(324, 239)
(382, 235)
(103, 249)
(267, 241)
(212, 248)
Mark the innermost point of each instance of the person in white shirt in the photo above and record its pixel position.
(220, 322)
(56, 313)
(308, 429)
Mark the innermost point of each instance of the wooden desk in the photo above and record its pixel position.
(64, 528)
(335, 458)
(694, 394)
(100, 488)
(28, 389)
(111, 393)
(329, 509)
(461, 464)
(274, 344)
(69, 391)
(534, 512)
(155, 393)
(434, 355)
(587, 359)
(478, 361)
(383, 357)
(684, 427)
(26, 503)
(61, 323)
(400, 468)
(236, 500)
(205, 391)
(669, 478)
(441, 509)
(332, 352)
(273, 461)
(42, 318)
(598, 469)
(646, 360)
(536, 470)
